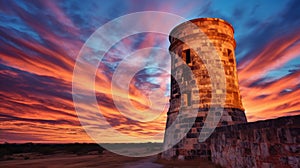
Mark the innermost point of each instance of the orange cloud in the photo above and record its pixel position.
(265, 100)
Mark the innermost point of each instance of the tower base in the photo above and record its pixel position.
(189, 147)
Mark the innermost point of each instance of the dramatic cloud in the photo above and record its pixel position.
(40, 40)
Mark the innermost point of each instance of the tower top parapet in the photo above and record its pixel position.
(211, 27)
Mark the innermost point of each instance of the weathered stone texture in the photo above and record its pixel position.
(219, 34)
(270, 143)
(235, 143)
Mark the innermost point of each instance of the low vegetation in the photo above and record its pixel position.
(8, 149)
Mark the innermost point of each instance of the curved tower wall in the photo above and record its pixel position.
(221, 36)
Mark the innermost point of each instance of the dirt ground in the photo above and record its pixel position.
(105, 160)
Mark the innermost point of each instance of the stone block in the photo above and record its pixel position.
(255, 150)
(275, 149)
(294, 161)
(264, 150)
(267, 165)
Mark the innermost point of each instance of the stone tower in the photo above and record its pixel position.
(220, 35)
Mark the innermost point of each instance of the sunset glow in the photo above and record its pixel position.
(40, 41)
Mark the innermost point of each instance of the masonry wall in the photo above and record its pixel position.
(190, 51)
(267, 144)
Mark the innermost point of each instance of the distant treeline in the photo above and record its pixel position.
(47, 149)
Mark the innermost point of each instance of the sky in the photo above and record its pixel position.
(40, 41)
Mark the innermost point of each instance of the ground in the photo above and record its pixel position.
(105, 160)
